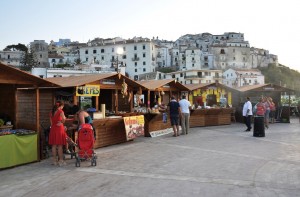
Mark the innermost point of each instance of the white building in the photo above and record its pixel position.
(137, 55)
(241, 77)
(13, 58)
(187, 76)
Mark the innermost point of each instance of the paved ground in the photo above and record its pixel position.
(210, 161)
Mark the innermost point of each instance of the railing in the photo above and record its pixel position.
(135, 59)
(193, 76)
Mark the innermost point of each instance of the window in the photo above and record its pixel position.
(193, 65)
(144, 54)
(112, 49)
(53, 60)
(86, 52)
(124, 56)
(173, 76)
(176, 53)
(233, 58)
(95, 59)
(144, 63)
(181, 75)
(102, 50)
(41, 55)
(176, 59)
(135, 63)
(94, 51)
(102, 57)
(124, 48)
(135, 56)
(144, 47)
(135, 70)
(193, 59)
(87, 59)
(192, 51)
(222, 51)
(144, 69)
(8, 57)
(135, 47)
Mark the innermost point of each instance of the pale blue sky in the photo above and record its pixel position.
(266, 24)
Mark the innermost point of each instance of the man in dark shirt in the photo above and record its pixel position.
(174, 109)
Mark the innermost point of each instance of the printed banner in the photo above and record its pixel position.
(134, 126)
(88, 90)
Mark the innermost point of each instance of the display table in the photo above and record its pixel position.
(16, 150)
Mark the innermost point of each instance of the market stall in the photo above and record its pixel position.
(211, 104)
(109, 98)
(255, 92)
(19, 113)
(156, 99)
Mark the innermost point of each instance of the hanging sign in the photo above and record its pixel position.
(88, 90)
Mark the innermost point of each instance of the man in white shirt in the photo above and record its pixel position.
(247, 113)
(185, 115)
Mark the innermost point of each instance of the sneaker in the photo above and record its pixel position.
(68, 151)
(62, 163)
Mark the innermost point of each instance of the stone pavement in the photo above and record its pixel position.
(209, 161)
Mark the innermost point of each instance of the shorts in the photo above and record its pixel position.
(174, 120)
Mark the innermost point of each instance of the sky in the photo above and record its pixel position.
(270, 25)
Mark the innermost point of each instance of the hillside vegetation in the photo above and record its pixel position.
(282, 75)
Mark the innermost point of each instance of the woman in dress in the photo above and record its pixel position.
(57, 136)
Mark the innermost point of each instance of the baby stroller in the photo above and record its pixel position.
(85, 145)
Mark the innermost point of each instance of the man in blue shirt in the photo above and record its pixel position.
(174, 109)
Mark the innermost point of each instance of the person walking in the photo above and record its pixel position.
(185, 115)
(247, 114)
(174, 110)
(57, 135)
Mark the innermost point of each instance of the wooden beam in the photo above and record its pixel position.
(37, 93)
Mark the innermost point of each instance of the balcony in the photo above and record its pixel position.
(193, 76)
(135, 59)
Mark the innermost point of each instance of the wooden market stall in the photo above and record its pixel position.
(211, 104)
(20, 108)
(255, 92)
(112, 104)
(158, 94)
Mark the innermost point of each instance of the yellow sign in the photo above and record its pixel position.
(88, 90)
(134, 126)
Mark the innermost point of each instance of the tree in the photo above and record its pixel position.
(28, 60)
(77, 61)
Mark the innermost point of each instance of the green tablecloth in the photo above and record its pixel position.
(16, 150)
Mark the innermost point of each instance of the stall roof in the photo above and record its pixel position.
(154, 84)
(22, 79)
(192, 87)
(73, 81)
(264, 87)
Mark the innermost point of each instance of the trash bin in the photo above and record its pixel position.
(259, 126)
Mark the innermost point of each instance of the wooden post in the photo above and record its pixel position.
(37, 93)
(116, 101)
(97, 103)
(16, 109)
(148, 98)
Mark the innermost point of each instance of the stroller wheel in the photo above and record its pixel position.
(93, 162)
(77, 163)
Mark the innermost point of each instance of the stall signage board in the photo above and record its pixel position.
(134, 126)
(88, 90)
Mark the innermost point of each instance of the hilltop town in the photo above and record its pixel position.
(192, 59)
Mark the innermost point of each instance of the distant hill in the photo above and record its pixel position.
(282, 75)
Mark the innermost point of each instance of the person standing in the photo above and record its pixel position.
(174, 109)
(185, 115)
(57, 135)
(267, 112)
(247, 114)
(272, 110)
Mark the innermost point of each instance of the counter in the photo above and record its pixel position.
(210, 117)
(18, 149)
(109, 131)
(154, 122)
